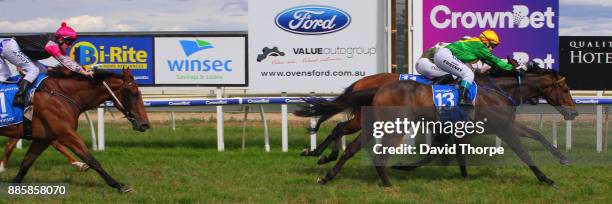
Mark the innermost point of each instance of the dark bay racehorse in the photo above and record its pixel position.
(367, 86)
(537, 83)
(58, 103)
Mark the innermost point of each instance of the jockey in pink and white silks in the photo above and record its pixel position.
(25, 51)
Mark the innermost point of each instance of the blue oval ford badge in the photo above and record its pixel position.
(313, 20)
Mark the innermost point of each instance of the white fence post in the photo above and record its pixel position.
(262, 114)
(598, 125)
(101, 129)
(498, 142)
(220, 141)
(94, 143)
(568, 135)
(173, 121)
(313, 134)
(284, 126)
(554, 129)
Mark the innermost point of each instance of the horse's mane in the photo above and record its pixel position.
(99, 75)
(532, 68)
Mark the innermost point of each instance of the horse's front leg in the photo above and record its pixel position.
(73, 141)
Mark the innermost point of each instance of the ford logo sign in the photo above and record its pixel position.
(313, 20)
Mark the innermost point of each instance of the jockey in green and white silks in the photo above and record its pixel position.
(455, 57)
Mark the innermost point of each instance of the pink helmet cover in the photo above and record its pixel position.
(65, 32)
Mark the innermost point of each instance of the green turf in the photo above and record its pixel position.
(183, 166)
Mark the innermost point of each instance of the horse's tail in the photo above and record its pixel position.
(321, 107)
(349, 99)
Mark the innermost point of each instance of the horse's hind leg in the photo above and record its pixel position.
(73, 161)
(514, 143)
(334, 153)
(353, 126)
(36, 148)
(525, 131)
(351, 149)
(332, 136)
(10, 146)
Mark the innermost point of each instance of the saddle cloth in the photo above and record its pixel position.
(445, 97)
(10, 114)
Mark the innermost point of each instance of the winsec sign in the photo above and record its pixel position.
(528, 30)
(208, 61)
(588, 60)
(317, 46)
(115, 54)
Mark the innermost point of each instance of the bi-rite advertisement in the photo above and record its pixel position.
(305, 101)
(115, 54)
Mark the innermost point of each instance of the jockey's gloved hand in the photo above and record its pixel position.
(521, 67)
(88, 73)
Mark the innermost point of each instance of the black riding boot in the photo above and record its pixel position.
(27, 129)
(20, 97)
(464, 100)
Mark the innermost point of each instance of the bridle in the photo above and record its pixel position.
(127, 100)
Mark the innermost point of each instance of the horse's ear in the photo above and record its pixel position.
(512, 61)
(126, 71)
(127, 74)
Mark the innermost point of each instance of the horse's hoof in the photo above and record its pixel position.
(306, 152)
(321, 181)
(550, 182)
(82, 166)
(564, 162)
(125, 188)
(322, 160)
(401, 167)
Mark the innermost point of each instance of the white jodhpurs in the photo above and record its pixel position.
(428, 69)
(445, 60)
(14, 55)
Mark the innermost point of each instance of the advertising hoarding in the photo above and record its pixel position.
(318, 46)
(528, 30)
(116, 53)
(203, 60)
(586, 61)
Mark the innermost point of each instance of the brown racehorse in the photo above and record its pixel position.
(60, 100)
(325, 110)
(12, 143)
(10, 146)
(407, 93)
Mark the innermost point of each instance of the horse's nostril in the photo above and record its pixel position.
(145, 126)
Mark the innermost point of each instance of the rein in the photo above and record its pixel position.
(70, 101)
(500, 91)
(113, 94)
(80, 108)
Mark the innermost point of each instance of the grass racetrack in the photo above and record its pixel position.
(183, 166)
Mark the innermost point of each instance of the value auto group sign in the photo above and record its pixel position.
(528, 29)
(301, 46)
